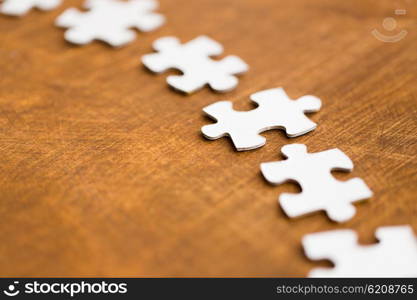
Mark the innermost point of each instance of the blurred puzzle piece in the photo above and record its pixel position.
(193, 60)
(320, 190)
(21, 7)
(394, 256)
(109, 21)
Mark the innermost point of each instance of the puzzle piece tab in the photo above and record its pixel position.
(394, 256)
(320, 190)
(193, 60)
(21, 7)
(110, 21)
(275, 111)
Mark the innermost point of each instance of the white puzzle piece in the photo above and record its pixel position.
(21, 7)
(110, 21)
(193, 60)
(320, 190)
(394, 256)
(275, 111)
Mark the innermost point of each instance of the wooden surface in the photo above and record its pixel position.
(104, 172)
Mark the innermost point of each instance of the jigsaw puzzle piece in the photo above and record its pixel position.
(82, 35)
(394, 256)
(275, 111)
(109, 21)
(190, 82)
(341, 210)
(320, 190)
(295, 205)
(194, 62)
(21, 7)
(171, 53)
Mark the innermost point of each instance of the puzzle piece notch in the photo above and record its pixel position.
(275, 111)
(110, 21)
(193, 60)
(394, 256)
(21, 7)
(320, 190)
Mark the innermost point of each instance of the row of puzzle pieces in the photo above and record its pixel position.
(111, 21)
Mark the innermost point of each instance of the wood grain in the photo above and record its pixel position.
(104, 172)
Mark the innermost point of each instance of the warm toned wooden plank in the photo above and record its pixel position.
(103, 170)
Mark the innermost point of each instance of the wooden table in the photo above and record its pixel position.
(104, 171)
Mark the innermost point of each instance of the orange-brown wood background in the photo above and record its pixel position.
(104, 172)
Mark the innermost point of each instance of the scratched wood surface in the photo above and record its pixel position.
(104, 172)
